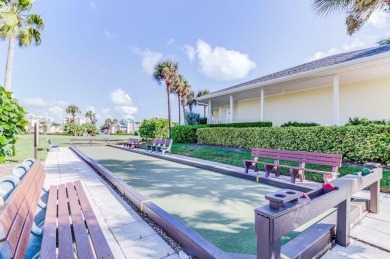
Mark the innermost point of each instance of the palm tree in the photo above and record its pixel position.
(190, 100)
(181, 88)
(200, 94)
(91, 116)
(358, 11)
(16, 23)
(55, 125)
(72, 110)
(167, 71)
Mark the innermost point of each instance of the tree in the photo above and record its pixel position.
(91, 116)
(55, 125)
(16, 23)
(200, 94)
(181, 87)
(191, 100)
(108, 124)
(167, 71)
(358, 11)
(72, 110)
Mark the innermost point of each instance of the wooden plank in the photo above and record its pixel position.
(102, 250)
(83, 246)
(48, 247)
(17, 226)
(311, 242)
(25, 235)
(8, 211)
(65, 243)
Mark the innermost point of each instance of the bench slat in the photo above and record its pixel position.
(24, 237)
(22, 215)
(48, 247)
(302, 158)
(278, 151)
(100, 244)
(8, 211)
(83, 247)
(65, 243)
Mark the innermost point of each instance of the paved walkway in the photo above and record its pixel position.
(127, 234)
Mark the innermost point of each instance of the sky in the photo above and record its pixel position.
(100, 55)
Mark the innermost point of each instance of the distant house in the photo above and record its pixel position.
(78, 120)
(327, 91)
(45, 123)
(126, 126)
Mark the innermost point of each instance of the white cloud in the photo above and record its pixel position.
(34, 102)
(110, 34)
(123, 103)
(149, 59)
(89, 108)
(379, 19)
(56, 112)
(220, 63)
(190, 52)
(170, 42)
(59, 103)
(92, 4)
(355, 45)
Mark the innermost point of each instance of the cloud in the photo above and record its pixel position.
(355, 45)
(89, 108)
(190, 52)
(34, 102)
(92, 4)
(123, 103)
(105, 111)
(170, 42)
(59, 103)
(379, 19)
(110, 34)
(220, 63)
(149, 59)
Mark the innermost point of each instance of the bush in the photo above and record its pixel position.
(242, 125)
(192, 118)
(12, 122)
(365, 122)
(73, 129)
(357, 143)
(185, 134)
(90, 129)
(154, 128)
(299, 124)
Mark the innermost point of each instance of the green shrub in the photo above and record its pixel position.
(73, 129)
(299, 124)
(154, 128)
(12, 122)
(90, 129)
(241, 125)
(357, 143)
(192, 118)
(365, 122)
(185, 134)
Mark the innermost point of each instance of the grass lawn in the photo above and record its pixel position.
(235, 157)
(25, 145)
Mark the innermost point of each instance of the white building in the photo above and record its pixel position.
(128, 126)
(78, 120)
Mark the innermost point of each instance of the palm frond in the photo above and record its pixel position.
(325, 7)
(28, 36)
(36, 21)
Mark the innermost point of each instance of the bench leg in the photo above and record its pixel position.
(293, 173)
(246, 166)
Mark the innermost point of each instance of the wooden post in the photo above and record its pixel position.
(374, 197)
(266, 248)
(343, 227)
(36, 140)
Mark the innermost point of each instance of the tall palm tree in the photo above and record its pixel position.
(191, 100)
(91, 116)
(200, 94)
(167, 71)
(181, 88)
(16, 23)
(358, 11)
(72, 110)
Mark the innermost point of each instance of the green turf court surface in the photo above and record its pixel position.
(218, 207)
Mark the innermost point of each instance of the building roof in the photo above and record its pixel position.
(313, 65)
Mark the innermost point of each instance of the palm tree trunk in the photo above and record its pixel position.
(178, 101)
(184, 113)
(169, 110)
(10, 62)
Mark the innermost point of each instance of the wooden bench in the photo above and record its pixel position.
(156, 143)
(165, 147)
(131, 143)
(17, 221)
(301, 157)
(52, 145)
(18, 211)
(70, 201)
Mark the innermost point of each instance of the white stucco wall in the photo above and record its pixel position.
(369, 99)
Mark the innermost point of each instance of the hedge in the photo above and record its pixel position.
(154, 128)
(241, 125)
(186, 134)
(357, 143)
